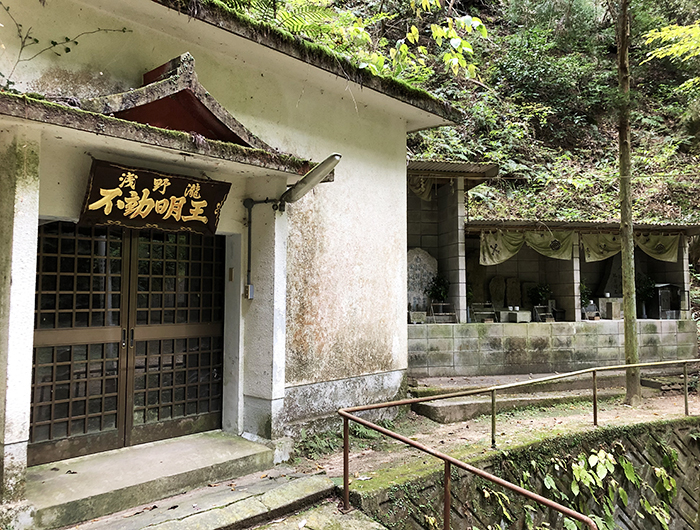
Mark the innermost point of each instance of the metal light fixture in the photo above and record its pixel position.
(293, 194)
(308, 181)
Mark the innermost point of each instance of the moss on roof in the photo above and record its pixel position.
(220, 15)
(43, 111)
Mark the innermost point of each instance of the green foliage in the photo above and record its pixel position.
(566, 19)
(360, 431)
(586, 293)
(361, 37)
(570, 87)
(439, 288)
(644, 287)
(315, 445)
(680, 43)
(539, 294)
(597, 484)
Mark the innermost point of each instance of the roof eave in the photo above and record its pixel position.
(433, 112)
(48, 113)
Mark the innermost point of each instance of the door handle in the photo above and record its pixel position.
(123, 338)
(131, 342)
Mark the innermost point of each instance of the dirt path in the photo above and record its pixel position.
(513, 428)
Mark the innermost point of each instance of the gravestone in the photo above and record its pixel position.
(612, 279)
(422, 267)
(513, 292)
(525, 297)
(476, 278)
(497, 288)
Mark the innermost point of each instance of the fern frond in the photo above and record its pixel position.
(264, 10)
(311, 20)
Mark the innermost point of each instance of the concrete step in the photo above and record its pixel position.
(465, 408)
(246, 501)
(433, 386)
(325, 517)
(83, 488)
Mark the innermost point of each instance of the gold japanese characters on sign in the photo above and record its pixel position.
(138, 198)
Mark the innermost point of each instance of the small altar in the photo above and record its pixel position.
(515, 316)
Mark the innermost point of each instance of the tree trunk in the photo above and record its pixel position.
(634, 389)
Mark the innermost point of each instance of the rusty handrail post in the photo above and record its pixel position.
(685, 387)
(448, 495)
(346, 464)
(493, 419)
(595, 398)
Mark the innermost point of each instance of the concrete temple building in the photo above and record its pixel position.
(152, 285)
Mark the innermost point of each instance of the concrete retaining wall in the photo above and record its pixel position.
(439, 350)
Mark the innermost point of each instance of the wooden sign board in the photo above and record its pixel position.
(138, 198)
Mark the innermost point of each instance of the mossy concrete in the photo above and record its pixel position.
(62, 115)
(83, 488)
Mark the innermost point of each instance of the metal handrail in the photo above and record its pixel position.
(347, 415)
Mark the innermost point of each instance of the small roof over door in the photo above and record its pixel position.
(172, 98)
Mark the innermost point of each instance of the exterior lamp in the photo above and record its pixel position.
(293, 194)
(308, 181)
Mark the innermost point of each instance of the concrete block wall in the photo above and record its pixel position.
(448, 350)
(422, 223)
(451, 242)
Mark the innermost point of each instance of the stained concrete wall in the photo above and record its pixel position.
(346, 298)
(19, 203)
(447, 350)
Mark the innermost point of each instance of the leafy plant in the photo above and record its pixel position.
(680, 43)
(439, 288)
(596, 483)
(539, 294)
(586, 293)
(315, 445)
(644, 287)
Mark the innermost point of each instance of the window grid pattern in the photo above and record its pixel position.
(180, 278)
(78, 280)
(175, 378)
(74, 390)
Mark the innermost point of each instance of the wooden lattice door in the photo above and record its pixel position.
(128, 341)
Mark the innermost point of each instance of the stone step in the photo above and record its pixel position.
(465, 408)
(257, 498)
(433, 386)
(86, 487)
(325, 516)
